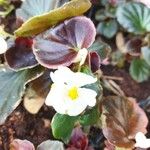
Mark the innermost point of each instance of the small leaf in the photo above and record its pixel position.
(108, 29)
(12, 88)
(36, 93)
(139, 70)
(101, 48)
(51, 145)
(40, 23)
(133, 46)
(18, 144)
(20, 55)
(62, 126)
(94, 61)
(60, 45)
(79, 140)
(146, 54)
(122, 119)
(90, 117)
(31, 8)
(134, 17)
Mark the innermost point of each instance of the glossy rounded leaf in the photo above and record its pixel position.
(139, 70)
(107, 29)
(40, 23)
(60, 45)
(134, 17)
(20, 55)
(61, 122)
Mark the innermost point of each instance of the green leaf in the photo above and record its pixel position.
(139, 70)
(134, 17)
(62, 126)
(90, 117)
(12, 88)
(101, 48)
(146, 54)
(40, 23)
(108, 28)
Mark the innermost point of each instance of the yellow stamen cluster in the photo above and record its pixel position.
(73, 93)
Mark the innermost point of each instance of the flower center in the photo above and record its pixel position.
(73, 93)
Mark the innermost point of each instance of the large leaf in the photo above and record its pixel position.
(40, 23)
(31, 8)
(134, 17)
(12, 85)
(62, 126)
(51, 145)
(60, 45)
(146, 54)
(139, 70)
(122, 119)
(20, 55)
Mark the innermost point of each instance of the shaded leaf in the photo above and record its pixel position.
(108, 29)
(51, 145)
(139, 70)
(59, 46)
(133, 46)
(134, 17)
(36, 93)
(122, 119)
(79, 140)
(40, 23)
(31, 8)
(20, 55)
(90, 117)
(146, 54)
(18, 144)
(12, 88)
(102, 49)
(61, 122)
(94, 61)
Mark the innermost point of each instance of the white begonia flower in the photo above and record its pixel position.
(142, 141)
(3, 45)
(67, 94)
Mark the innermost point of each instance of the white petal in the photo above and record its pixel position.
(142, 141)
(55, 98)
(3, 45)
(76, 109)
(88, 95)
(81, 79)
(65, 75)
(62, 75)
